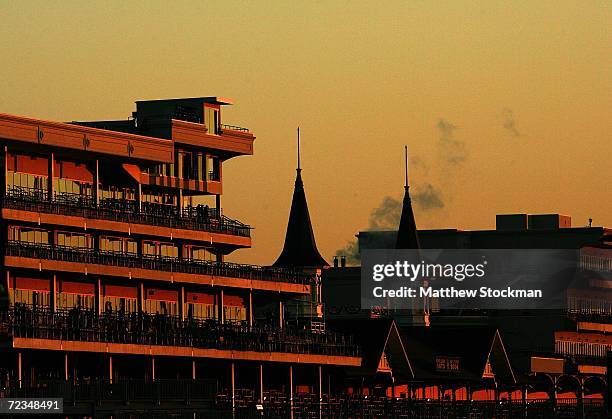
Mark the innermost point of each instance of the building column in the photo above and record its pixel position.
(218, 204)
(4, 172)
(139, 196)
(152, 368)
(261, 388)
(141, 297)
(99, 297)
(221, 312)
(50, 175)
(193, 369)
(53, 293)
(320, 391)
(110, 369)
(251, 308)
(182, 303)
(291, 390)
(233, 379)
(66, 366)
(96, 188)
(19, 369)
(281, 320)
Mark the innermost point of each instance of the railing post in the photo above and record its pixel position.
(96, 189)
(50, 175)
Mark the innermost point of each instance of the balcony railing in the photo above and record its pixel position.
(188, 266)
(200, 218)
(233, 128)
(155, 329)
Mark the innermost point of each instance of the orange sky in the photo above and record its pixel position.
(505, 105)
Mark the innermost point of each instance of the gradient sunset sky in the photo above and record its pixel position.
(506, 106)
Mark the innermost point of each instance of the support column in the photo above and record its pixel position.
(141, 297)
(19, 368)
(4, 172)
(110, 369)
(96, 188)
(50, 175)
(218, 205)
(139, 196)
(221, 312)
(53, 293)
(193, 369)
(291, 389)
(261, 389)
(281, 320)
(66, 366)
(233, 387)
(99, 297)
(182, 303)
(250, 308)
(320, 391)
(152, 368)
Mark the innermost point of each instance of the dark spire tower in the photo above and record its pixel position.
(407, 236)
(300, 249)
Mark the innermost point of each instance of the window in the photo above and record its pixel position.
(31, 298)
(201, 311)
(234, 314)
(28, 235)
(74, 240)
(212, 120)
(198, 253)
(212, 166)
(26, 183)
(161, 250)
(120, 304)
(166, 308)
(68, 301)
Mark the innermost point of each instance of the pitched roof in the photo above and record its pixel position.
(300, 249)
(407, 237)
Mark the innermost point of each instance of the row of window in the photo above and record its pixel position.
(582, 348)
(120, 245)
(191, 166)
(68, 301)
(596, 263)
(588, 306)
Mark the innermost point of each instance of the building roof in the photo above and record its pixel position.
(300, 249)
(205, 99)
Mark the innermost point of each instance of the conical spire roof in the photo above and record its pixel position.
(300, 249)
(407, 236)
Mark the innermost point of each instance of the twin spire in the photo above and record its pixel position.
(407, 236)
(300, 249)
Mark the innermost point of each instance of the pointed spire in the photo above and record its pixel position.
(407, 236)
(300, 249)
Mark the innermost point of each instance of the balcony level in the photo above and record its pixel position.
(44, 257)
(195, 223)
(163, 335)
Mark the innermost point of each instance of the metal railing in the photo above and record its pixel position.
(188, 266)
(200, 218)
(234, 128)
(155, 329)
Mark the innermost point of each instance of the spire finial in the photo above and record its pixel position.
(406, 163)
(298, 149)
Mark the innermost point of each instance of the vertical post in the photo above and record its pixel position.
(261, 389)
(152, 368)
(141, 297)
(66, 366)
(221, 312)
(233, 372)
(99, 297)
(96, 189)
(53, 293)
(50, 175)
(139, 196)
(5, 171)
(19, 368)
(250, 308)
(320, 391)
(291, 390)
(110, 369)
(524, 399)
(193, 369)
(218, 204)
(281, 320)
(182, 303)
